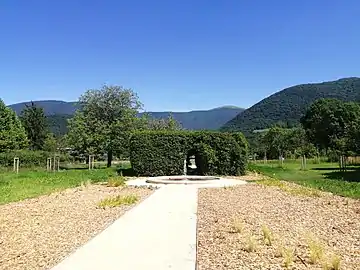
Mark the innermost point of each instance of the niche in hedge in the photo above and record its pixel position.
(156, 153)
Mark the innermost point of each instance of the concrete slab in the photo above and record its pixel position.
(160, 233)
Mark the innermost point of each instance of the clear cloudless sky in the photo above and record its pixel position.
(177, 55)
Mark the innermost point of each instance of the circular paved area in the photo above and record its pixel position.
(196, 181)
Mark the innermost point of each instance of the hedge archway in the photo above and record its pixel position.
(156, 153)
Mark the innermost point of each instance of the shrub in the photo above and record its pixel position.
(163, 153)
(27, 158)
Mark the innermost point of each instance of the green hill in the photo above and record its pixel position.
(58, 112)
(288, 105)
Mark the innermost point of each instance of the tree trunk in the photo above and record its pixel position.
(109, 158)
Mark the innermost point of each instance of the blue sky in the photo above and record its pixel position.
(177, 55)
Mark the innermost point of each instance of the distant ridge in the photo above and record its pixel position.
(59, 111)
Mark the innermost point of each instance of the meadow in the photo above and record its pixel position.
(323, 176)
(33, 182)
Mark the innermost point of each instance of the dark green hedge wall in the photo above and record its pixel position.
(156, 153)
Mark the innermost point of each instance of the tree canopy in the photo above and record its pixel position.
(12, 133)
(332, 124)
(34, 121)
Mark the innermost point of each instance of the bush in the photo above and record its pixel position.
(27, 158)
(163, 152)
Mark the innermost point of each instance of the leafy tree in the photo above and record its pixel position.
(50, 143)
(161, 124)
(329, 122)
(35, 124)
(12, 133)
(105, 122)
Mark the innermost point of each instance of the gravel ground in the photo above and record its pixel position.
(38, 233)
(333, 220)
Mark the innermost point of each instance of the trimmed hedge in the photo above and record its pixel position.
(27, 158)
(156, 153)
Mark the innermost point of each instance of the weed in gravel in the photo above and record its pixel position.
(267, 235)
(237, 226)
(303, 191)
(316, 250)
(85, 184)
(288, 254)
(251, 244)
(118, 200)
(297, 191)
(116, 181)
(332, 263)
(271, 183)
(335, 262)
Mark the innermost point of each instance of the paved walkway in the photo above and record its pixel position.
(159, 233)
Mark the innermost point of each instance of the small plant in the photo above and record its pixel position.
(331, 264)
(288, 254)
(271, 182)
(237, 226)
(251, 244)
(116, 182)
(316, 250)
(118, 200)
(267, 234)
(335, 262)
(85, 184)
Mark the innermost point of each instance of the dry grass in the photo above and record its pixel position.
(288, 254)
(251, 244)
(267, 235)
(290, 188)
(38, 233)
(316, 250)
(118, 201)
(334, 221)
(118, 181)
(237, 226)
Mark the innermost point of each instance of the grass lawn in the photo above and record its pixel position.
(325, 176)
(32, 183)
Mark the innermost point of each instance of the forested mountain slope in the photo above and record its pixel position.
(288, 105)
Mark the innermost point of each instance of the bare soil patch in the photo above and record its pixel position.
(38, 233)
(334, 221)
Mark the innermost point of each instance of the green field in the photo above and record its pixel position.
(31, 183)
(324, 176)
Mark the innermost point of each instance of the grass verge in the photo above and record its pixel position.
(324, 177)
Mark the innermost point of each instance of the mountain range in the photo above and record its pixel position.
(58, 112)
(284, 107)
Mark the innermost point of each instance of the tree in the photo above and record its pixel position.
(12, 133)
(161, 124)
(34, 121)
(329, 122)
(50, 143)
(105, 122)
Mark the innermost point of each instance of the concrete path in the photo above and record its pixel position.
(159, 233)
